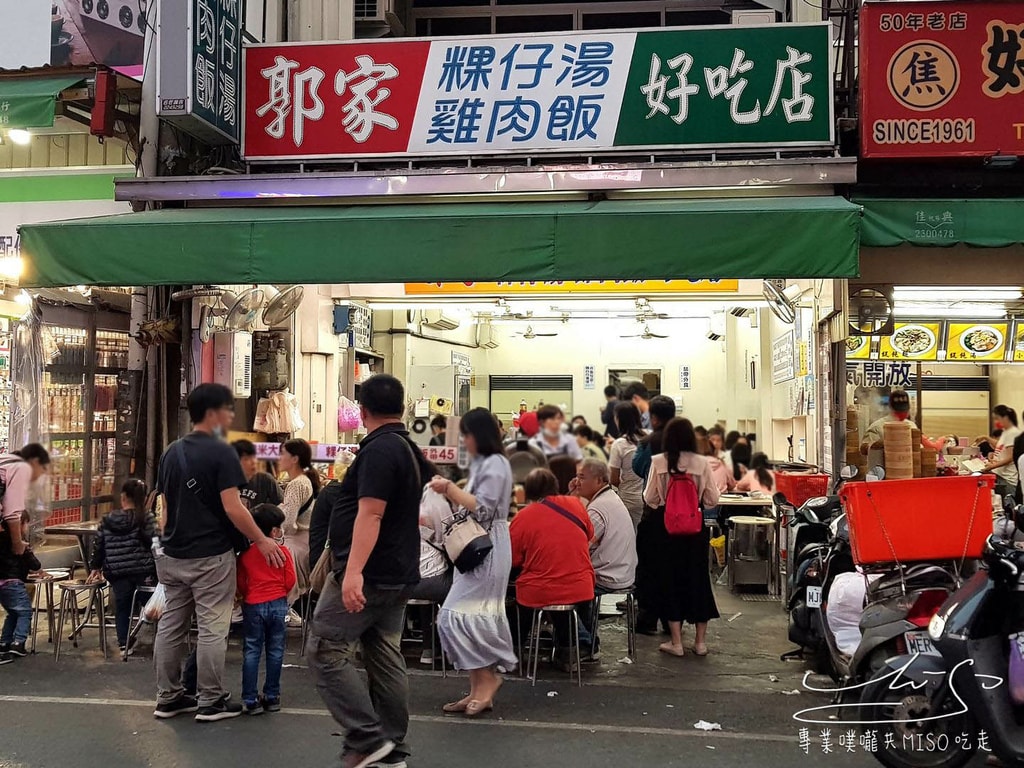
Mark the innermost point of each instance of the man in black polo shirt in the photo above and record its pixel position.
(200, 477)
(375, 543)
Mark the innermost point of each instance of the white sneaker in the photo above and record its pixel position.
(427, 658)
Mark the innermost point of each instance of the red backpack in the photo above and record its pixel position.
(683, 516)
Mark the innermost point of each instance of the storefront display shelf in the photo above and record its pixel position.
(65, 504)
(67, 435)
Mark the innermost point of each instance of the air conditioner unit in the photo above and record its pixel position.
(753, 18)
(487, 336)
(371, 10)
(232, 361)
(436, 318)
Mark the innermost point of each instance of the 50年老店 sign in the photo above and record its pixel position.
(941, 79)
(589, 91)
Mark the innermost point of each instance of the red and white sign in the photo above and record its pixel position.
(328, 452)
(942, 79)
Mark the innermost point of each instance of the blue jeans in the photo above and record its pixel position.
(17, 625)
(264, 626)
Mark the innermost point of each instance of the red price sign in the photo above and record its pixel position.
(441, 454)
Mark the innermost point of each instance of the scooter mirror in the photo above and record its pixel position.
(780, 499)
(875, 473)
(848, 472)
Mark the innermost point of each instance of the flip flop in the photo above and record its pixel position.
(700, 650)
(672, 650)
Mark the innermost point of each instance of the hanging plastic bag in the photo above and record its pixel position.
(262, 421)
(292, 405)
(349, 419)
(155, 605)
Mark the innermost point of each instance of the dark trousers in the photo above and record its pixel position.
(124, 590)
(369, 715)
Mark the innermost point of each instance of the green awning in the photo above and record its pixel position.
(612, 240)
(994, 223)
(29, 102)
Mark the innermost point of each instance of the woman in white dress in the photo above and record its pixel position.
(472, 622)
(296, 460)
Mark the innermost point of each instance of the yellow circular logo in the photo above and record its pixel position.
(923, 75)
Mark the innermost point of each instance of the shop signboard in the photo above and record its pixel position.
(547, 287)
(976, 341)
(329, 452)
(911, 341)
(940, 79)
(199, 68)
(694, 87)
(784, 358)
(879, 374)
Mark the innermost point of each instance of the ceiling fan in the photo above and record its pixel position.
(647, 334)
(531, 334)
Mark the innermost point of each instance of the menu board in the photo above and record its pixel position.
(858, 347)
(973, 341)
(1018, 342)
(911, 341)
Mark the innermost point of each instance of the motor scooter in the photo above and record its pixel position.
(934, 701)
(898, 605)
(808, 535)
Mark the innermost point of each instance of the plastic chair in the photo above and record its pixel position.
(574, 634)
(631, 612)
(434, 609)
(69, 605)
(137, 618)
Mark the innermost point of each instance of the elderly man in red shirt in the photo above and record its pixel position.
(551, 548)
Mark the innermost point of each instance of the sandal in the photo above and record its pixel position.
(672, 650)
(701, 649)
(457, 707)
(475, 708)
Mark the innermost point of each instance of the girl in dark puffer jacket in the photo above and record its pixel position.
(122, 553)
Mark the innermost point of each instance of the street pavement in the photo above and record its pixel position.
(90, 713)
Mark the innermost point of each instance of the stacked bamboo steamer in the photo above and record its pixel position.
(929, 458)
(899, 451)
(853, 455)
(915, 437)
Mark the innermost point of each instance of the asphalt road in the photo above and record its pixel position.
(89, 713)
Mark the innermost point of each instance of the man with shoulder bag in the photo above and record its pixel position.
(375, 548)
(200, 477)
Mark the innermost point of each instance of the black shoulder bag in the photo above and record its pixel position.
(239, 543)
(567, 515)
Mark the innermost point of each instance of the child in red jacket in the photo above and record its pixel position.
(264, 592)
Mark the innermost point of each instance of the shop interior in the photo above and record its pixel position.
(957, 350)
(719, 349)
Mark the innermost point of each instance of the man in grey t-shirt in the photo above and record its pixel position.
(613, 548)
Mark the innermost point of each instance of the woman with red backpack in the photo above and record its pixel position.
(679, 487)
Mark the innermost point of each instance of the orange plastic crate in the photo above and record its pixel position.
(924, 519)
(798, 488)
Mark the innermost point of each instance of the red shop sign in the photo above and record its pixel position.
(941, 79)
(311, 100)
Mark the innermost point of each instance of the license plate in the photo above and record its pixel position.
(919, 642)
(814, 597)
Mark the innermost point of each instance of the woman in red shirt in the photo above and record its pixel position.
(551, 548)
